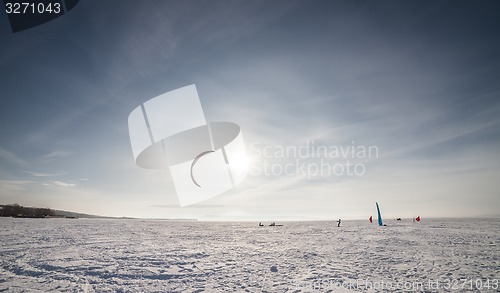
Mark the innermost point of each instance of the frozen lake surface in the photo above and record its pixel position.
(97, 255)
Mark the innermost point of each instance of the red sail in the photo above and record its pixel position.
(371, 220)
(417, 219)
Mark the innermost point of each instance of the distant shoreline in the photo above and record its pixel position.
(47, 213)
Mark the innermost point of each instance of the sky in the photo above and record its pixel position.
(416, 83)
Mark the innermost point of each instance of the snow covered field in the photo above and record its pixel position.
(97, 255)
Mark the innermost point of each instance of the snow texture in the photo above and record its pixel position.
(102, 255)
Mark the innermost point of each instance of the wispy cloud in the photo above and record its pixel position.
(58, 154)
(63, 184)
(39, 174)
(12, 158)
(14, 185)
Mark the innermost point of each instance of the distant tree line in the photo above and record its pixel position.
(15, 210)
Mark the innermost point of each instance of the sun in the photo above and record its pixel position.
(239, 162)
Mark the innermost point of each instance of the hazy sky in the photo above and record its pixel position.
(419, 81)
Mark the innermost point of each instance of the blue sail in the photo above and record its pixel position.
(379, 216)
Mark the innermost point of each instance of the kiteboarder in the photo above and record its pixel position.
(338, 222)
